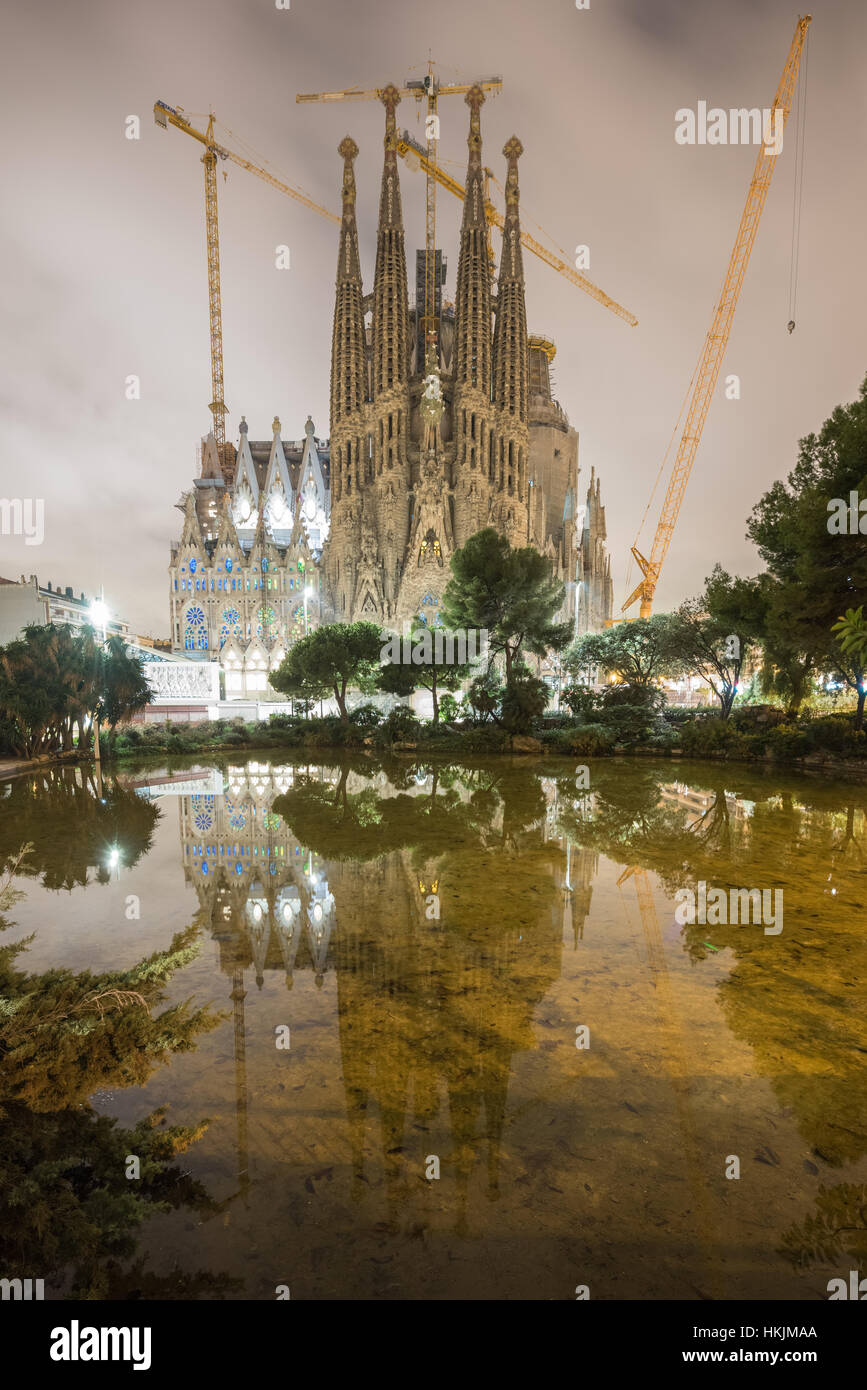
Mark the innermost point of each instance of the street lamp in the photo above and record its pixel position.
(99, 618)
(99, 614)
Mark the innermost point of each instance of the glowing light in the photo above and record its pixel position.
(99, 612)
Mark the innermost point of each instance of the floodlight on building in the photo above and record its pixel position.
(99, 613)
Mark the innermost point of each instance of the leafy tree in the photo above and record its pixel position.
(510, 594)
(425, 670)
(330, 660)
(814, 567)
(851, 633)
(638, 652)
(55, 679)
(125, 690)
(713, 634)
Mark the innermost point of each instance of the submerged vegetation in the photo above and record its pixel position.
(67, 1206)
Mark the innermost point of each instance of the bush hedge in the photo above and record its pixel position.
(746, 735)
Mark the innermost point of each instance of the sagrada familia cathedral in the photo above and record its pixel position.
(432, 439)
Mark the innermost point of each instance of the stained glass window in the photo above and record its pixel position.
(196, 630)
(296, 621)
(230, 625)
(265, 622)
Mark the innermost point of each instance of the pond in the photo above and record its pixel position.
(469, 1042)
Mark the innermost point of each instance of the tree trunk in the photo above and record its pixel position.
(859, 711)
(340, 697)
(436, 703)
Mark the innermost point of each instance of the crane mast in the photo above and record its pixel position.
(166, 115)
(217, 406)
(717, 339)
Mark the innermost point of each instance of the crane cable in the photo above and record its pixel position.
(798, 184)
(249, 152)
(680, 413)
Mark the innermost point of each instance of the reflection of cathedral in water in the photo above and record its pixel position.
(432, 1004)
(265, 896)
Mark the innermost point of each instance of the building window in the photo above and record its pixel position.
(265, 623)
(196, 630)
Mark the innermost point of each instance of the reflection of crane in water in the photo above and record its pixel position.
(674, 1059)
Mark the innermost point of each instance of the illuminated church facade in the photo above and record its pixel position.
(433, 437)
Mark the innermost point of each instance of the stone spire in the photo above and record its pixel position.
(348, 366)
(510, 334)
(511, 363)
(476, 446)
(473, 302)
(390, 306)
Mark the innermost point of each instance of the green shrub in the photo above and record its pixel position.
(590, 741)
(834, 733)
(450, 708)
(557, 740)
(702, 737)
(786, 741)
(524, 699)
(402, 724)
(757, 718)
(365, 716)
(582, 700)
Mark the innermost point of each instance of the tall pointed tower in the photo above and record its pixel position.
(473, 413)
(348, 393)
(389, 463)
(511, 368)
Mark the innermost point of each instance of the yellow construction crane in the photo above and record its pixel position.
(166, 115)
(431, 88)
(716, 342)
(416, 157)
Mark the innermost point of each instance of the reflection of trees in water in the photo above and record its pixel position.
(68, 1212)
(73, 825)
(433, 1008)
(838, 1228)
(798, 999)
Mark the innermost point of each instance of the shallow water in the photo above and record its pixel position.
(432, 944)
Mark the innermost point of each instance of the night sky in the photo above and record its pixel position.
(104, 257)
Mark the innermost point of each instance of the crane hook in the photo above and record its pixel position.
(791, 325)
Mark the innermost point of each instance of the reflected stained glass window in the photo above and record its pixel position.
(202, 808)
(235, 814)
